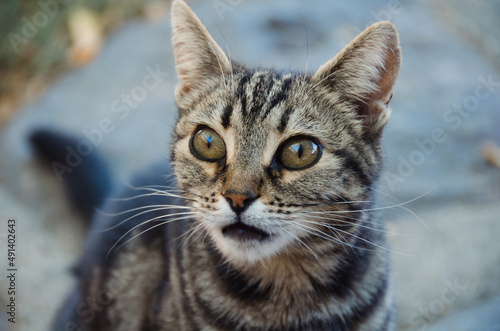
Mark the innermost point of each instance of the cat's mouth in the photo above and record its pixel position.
(243, 232)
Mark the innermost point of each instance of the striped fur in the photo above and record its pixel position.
(324, 264)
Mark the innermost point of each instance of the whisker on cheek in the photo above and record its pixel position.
(159, 219)
(146, 210)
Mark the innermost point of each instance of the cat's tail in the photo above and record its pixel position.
(77, 165)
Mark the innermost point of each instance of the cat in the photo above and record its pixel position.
(265, 218)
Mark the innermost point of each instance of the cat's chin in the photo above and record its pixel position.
(243, 244)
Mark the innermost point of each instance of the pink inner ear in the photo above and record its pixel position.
(387, 79)
(376, 103)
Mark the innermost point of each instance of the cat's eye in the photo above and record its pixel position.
(207, 145)
(299, 153)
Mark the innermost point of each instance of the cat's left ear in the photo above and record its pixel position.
(365, 73)
(198, 58)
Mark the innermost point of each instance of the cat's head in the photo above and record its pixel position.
(275, 162)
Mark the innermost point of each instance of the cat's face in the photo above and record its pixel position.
(270, 162)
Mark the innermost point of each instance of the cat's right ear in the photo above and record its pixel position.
(365, 72)
(198, 58)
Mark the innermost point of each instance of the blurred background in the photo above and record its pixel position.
(81, 67)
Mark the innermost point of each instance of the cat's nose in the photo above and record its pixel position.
(239, 202)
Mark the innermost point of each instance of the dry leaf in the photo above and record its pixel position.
(86, 36)
(491, 153)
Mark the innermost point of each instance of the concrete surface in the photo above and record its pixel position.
(441, 198)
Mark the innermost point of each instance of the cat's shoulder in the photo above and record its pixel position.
(123, 264)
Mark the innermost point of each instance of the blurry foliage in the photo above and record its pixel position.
(35, 40)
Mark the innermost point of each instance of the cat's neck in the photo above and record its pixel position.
(292, 273)
(288, 287)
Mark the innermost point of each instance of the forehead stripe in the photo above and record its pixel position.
(279, 96)
(241, 94)
(284, 119)
(226, 116)
(258, 89)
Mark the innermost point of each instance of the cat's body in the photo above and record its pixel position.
(158, 282)
(267, 219)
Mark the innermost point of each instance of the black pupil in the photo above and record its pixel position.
(300, 150)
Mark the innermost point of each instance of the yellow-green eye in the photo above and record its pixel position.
(299, 153)
(207, 145)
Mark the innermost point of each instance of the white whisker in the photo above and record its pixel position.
(136, 197)
(150, 228)
(347, 223)
(303, 243)
(372, 243)
(161, 207)
(318, 233)
(198, 228)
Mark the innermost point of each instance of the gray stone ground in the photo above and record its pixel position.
(441, 198)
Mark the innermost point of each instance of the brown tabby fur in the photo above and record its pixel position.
(325, 265)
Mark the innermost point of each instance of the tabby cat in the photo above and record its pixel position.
(265, 219)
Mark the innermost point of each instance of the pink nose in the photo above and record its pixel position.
(238, 202)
